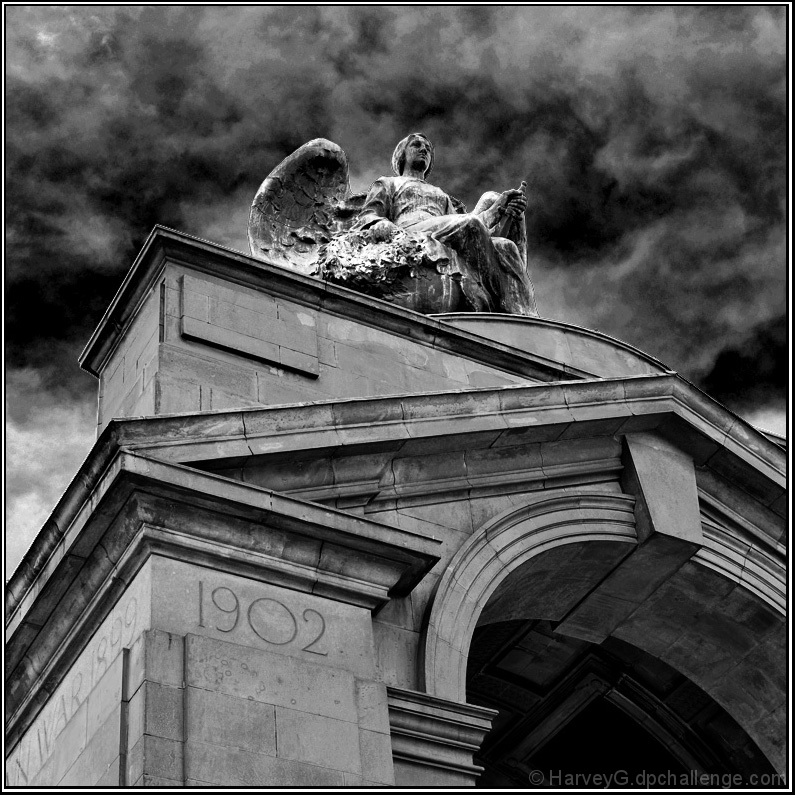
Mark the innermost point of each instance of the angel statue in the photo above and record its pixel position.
(405, 241)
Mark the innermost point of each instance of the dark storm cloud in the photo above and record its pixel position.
(653, 139)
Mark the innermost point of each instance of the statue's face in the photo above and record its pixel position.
(418, 154)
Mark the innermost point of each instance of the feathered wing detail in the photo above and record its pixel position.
(301, 204)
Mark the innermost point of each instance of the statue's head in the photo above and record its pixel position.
(399, 155)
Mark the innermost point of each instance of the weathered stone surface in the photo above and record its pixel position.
(180, 620)
(214, 717)
(93, 682)
(270, 678)
(318, 740)
(100, 758)
(222, 766)
(155, 756)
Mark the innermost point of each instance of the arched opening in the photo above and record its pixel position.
(570, 710)
(693, 676)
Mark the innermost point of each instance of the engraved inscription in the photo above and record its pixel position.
(220, 597)
(271, 620)
(39, 742)
(277, 625)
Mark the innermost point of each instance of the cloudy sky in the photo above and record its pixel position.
(653, 139)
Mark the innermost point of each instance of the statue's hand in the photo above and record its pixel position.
(513, 202)
(383, 230)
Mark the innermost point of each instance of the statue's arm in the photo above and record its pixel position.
(494, 208)
(377, 206)
(376, 216)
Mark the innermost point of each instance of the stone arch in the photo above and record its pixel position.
(711, 620)
(497, 549)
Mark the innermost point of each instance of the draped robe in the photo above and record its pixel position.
(494, 273)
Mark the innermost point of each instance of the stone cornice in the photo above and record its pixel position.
(714, 436)
(109, 534)
(431, 731)
(167, 245)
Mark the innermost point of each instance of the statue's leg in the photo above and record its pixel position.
(514, 287)
(469, 239)
(514, 229)
(497, 262)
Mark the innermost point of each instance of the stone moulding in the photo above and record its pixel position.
(757, 570)
(716, 439)
(113, 531)
(432, 732)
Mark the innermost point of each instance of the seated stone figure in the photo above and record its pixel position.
(493, 271)
(406, 241)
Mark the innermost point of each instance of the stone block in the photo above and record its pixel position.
(275, 387)
(232, 341)
(396, 655)
(231, 293)
(191, 366)
(160, 660)
(372, 704)
(451, 514)
(163, 711)
(105, 697)
(665, 481)
(195, 305)
(136, 716)
(295, 314)
(479, 377)
(342, 383)
(318, 740)
(214, 399)
(173, 396)
(376, 755)
(270, 678)
(326, 351)
(111, 777)
(373, 366)
(224, 720)
(155, 756)
(289, 419)
(234, 767)
(57, 749)
(770, 732)
(100, 755)
(296, 336)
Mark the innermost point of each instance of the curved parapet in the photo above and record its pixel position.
(580, 349)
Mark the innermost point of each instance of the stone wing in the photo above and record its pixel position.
(301, 204)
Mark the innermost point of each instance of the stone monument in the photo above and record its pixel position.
(385, 535)
(405, 241)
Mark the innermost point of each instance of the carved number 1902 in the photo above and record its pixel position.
(260, 613)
